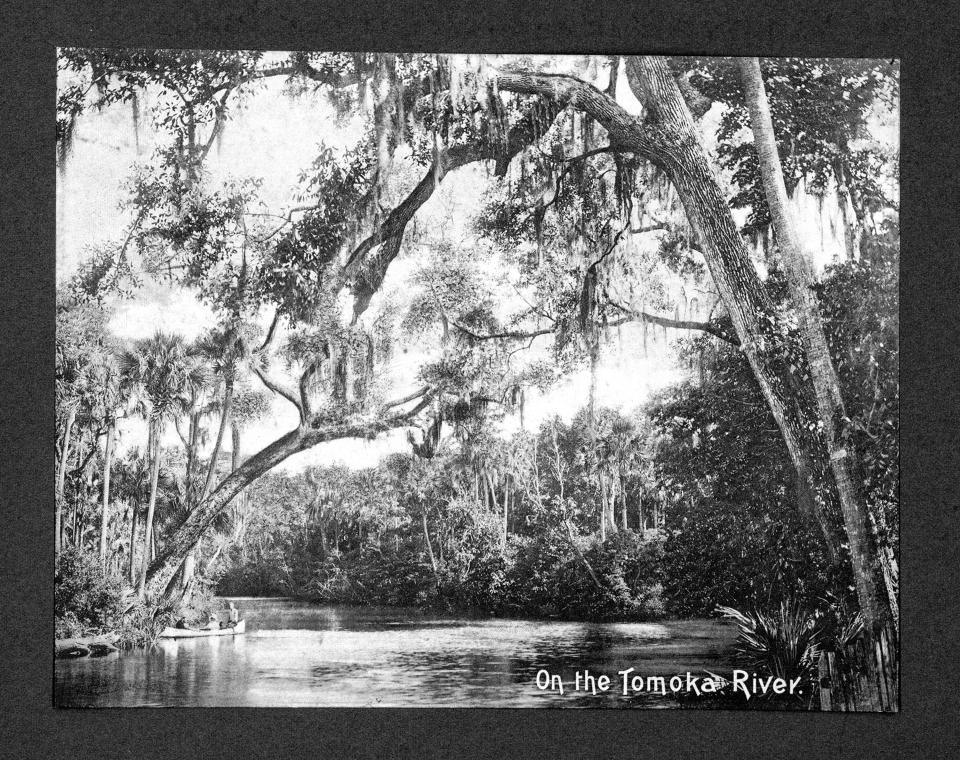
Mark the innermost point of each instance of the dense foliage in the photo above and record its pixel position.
(687, 502)
(85, 600)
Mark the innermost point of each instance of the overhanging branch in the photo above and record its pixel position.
(678, 324)
(367, 264)
(510, 334)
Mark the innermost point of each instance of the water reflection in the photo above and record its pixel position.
(296, 654)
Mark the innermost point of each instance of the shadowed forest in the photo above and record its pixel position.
(619, 337)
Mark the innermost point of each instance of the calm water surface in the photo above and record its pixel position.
(296, 654)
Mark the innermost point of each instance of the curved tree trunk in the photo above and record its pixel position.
(668, 138)
(164, 567)
(105, 507)
(874, 582)
(167, 562)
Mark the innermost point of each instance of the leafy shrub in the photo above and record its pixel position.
(474, 576)
(628, 569)
(549, 578)
(142, 624)
(400, 578)
(533, 582)
(268, 577)
(86, 600)
(782, 643)
(739, 556)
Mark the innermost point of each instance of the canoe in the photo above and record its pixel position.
(192, 633)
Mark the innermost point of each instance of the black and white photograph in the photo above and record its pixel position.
(411, 379)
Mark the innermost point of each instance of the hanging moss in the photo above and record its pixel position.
(65, 134)
(135, 113)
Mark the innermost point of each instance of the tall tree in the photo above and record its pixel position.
(466, 130)
(164, 372)
(872, 574)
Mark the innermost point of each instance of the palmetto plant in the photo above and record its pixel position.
(783, 643)
(166, 376)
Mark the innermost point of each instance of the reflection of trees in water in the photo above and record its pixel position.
(378, 657)
(291, 616)
(492, 670)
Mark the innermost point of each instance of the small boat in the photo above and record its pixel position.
(194, 633)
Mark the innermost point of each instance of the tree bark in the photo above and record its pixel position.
(151, 504)
(105, 507)
(132, 565)
(77, 495)
(506, 510)
(224, 421)
(190, 561)
(367, 264)
(61, 475)
(426, 538)
(168, 560)
(494, 504)
(580, 555)
(235, 461)
(623, 493)
(877, 597)
(667, 137)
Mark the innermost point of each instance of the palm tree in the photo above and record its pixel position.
(623, 445)
(132, 485)
(113, 393)
(165, 373)
(224, 349)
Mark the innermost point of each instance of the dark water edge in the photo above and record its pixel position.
(300, 654)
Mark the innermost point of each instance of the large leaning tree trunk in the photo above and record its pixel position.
(667, 137)
(188, 568)
(873, 569)
(308, 434)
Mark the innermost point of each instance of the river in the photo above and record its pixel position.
(305, 655)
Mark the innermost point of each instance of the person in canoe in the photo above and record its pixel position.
(233, 616)
(212, 624)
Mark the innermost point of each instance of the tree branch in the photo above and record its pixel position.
(270, 332)
(365, 269)
(648, 228)
(280, 391)
(304, 396)
(220, 112)
(515, 335)
(679, 324)
(405, 399)
(627, 132)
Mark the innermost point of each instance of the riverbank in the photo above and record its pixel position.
(86, 646)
